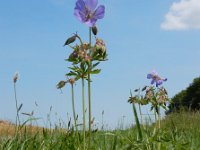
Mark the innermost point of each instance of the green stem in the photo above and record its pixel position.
(137, 120)
(140, 114)
(89, 91)
(16, 105)
(155, 114)
(159, 117)
(159, 144)
(83, 103)
(73, 108)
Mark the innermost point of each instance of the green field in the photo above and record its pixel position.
(178, 131)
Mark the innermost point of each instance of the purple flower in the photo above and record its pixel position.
(86, 13)
(156, 78)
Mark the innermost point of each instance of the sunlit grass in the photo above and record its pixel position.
(178, 131)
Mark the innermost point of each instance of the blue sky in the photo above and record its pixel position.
(140, 36)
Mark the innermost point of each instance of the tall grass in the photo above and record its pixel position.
(177, 131)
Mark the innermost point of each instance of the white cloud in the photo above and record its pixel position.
(183, 15)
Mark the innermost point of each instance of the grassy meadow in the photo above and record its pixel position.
(178, 131)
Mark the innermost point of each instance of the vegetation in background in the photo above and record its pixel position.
(187, 99)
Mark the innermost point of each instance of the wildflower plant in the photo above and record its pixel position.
(18, 107)
(156, 96)
(86, 56)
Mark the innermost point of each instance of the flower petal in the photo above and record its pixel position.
(154, 73)
(78, 15)
(149, 76)
(80, 5)
(152, 81)
(91, 22)
(165, 79)
(159, 82)
(79, 10)
(91, 4)
(99, 12)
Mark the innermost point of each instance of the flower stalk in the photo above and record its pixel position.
(15, 78)
(73, 107)
(16, 105)
(136, 119)
(85, 56)
(89, 90)
(83, 105)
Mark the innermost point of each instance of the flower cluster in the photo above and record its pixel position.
(84, 52)
(156, 96)
(150, 95)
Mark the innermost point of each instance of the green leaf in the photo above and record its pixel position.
(71, 73)
(83, 66)
(94, 65)
(77, 78)
(74, 68)
(19, 108)
(95, 71)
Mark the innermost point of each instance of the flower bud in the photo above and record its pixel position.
(94, 30)
(71, 81)
(132, 100)
(144, 88)
(70, 40)
(16, 77)
(136, 90)
(86, 46)
(61, 84)
(87, 58)
(73, 55)
(100, 45)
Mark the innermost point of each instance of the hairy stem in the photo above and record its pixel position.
(89, 91)
(83, 105)
(16, 105)
(140, 114)
(73, 108)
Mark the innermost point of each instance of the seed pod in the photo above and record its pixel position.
(144, 88)
(136, 90)
(74, 54)
(16, 77)
(94, 30)
(100, 46)
(70, 40)
(71, 80)
(61, 84)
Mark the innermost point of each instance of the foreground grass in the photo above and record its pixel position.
(179, 131)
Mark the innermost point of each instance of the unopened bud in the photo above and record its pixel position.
(71, 80)
(94, 30)
(73, 55)
(61, 84)
(16, 77)
(144, 88)
(70, 40)
(100, 45)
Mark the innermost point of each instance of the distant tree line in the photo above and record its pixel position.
(188, 99)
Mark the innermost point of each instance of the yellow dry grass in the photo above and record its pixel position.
(8, 129)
